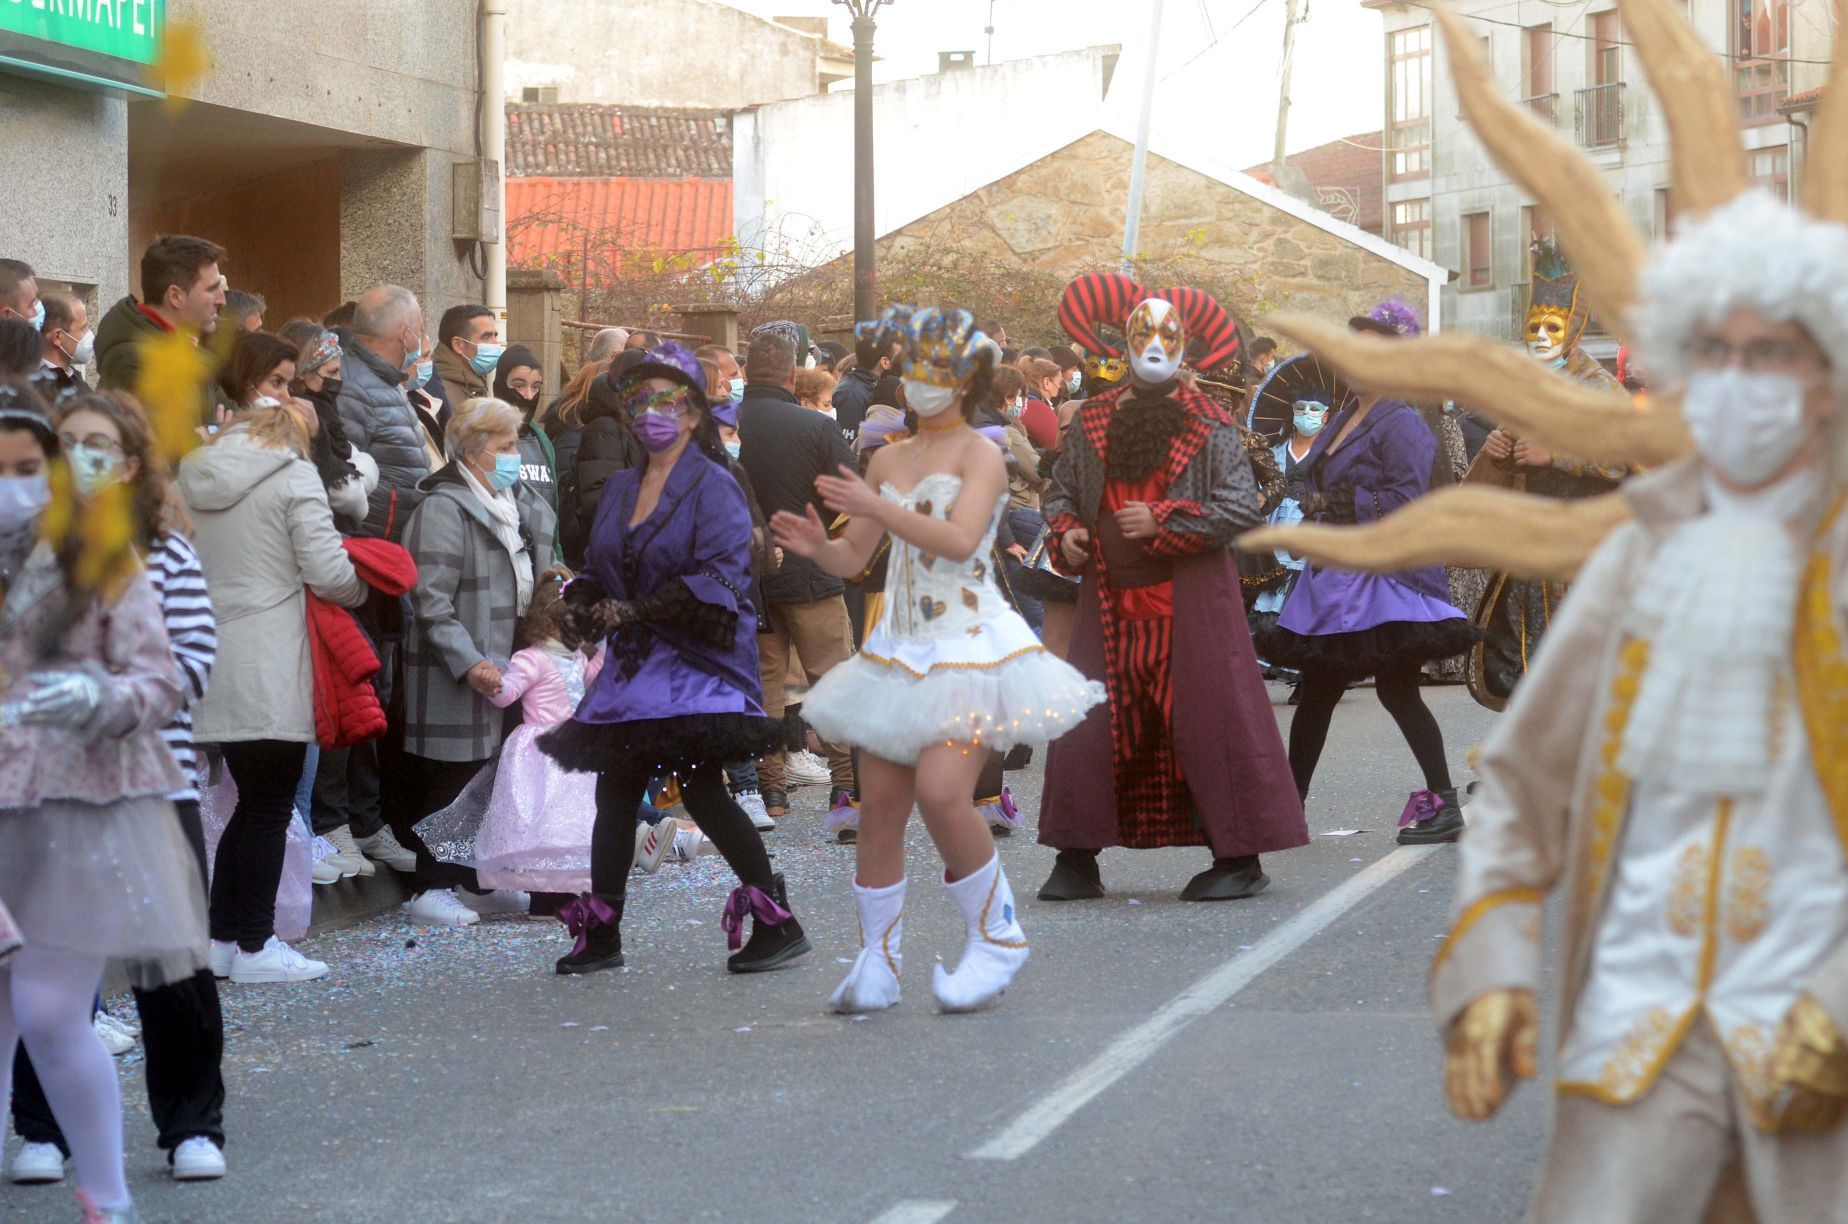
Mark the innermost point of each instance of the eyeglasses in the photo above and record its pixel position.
(1761, 356)
(95, 442)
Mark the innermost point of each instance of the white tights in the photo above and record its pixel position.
(45, 1000)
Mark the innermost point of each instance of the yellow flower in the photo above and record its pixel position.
(172, 369)
(184, 62)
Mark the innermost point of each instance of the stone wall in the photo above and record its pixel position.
(1063, 215)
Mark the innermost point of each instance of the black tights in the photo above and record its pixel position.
(708, 800)
(1398, 692)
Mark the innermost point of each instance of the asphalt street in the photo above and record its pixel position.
(1264, 1060)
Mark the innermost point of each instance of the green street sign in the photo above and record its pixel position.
(94, 43)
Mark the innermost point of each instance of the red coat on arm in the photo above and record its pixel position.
(346, 705)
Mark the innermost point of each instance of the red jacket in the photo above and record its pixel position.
(346, 706)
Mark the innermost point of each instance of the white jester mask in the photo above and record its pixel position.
(1156, 342)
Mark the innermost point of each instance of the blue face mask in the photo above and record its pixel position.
(487, 356)
(38, 316)
(1309, 424)
(506, 472)
(734, 449)
(412, 357)
(420, 374)
(737, 390)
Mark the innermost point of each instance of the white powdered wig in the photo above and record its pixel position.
(1755, 252)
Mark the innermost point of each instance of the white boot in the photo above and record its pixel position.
(872, 983)
(997, 946)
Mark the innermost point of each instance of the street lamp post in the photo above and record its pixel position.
(864, 281)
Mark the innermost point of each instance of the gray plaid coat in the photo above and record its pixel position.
(463, 612)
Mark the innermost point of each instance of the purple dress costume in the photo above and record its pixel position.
(680, 686)
(1356, 625)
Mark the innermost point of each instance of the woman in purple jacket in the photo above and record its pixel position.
(1340, 627)
(668, 570)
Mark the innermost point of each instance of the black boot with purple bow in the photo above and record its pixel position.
(776, 936)
(596, 920)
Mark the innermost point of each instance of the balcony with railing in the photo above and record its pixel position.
(1600, 116)
(1545, 106)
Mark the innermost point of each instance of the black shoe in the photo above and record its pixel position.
(771, 947)
(1228, 879)
(1446, 826)
(596, 919)
(1074, 877)
(776, 803)
(1296, 693)
(1018, 757)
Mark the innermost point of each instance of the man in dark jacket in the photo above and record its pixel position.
(182, 290)
(785, 447)
(854, 394)
(387, 344)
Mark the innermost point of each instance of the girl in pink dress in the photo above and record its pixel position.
(526, 823)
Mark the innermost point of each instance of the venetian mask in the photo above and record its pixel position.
(1549, 332)
(1156, 341)
(1105, 369)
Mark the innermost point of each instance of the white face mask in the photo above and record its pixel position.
(927, 399)
(1748, 426)
(22, 500)
(85, 350)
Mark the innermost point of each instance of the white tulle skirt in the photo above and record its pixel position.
(993, 685)
(524, 822)
(115, 880)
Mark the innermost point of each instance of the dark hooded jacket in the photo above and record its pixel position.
(538, 459)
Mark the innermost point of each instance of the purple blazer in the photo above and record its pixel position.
(1387, 462)
(700, 532)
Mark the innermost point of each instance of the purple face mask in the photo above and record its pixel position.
(656, 431)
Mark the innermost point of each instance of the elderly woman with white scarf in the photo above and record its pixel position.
(478, 538)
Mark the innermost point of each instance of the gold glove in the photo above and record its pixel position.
(1809, 1071)
(1496, 1039)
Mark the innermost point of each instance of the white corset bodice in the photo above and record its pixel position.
(927, 597)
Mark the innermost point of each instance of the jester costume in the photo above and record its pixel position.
(1186, 752)
(1514, 613)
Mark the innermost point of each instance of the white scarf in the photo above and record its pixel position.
(504, 518)
(1718, 607)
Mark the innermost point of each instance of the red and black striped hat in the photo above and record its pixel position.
(1099, 298)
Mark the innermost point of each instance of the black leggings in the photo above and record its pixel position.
(1398, 692)
(708, 800)
(249, 865)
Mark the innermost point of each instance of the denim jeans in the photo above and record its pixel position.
(1026, 523)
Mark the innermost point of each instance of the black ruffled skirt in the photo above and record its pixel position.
(667, 744)
(1391, 646)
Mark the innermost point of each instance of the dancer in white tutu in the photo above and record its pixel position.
(949, 673)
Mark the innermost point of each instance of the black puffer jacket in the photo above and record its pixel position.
(606, 446)
(380, 421)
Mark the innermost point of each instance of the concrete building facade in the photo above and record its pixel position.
(939, 138)
(666, 53)
(1573, 68)
(323, 157)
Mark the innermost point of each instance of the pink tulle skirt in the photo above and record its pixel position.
(522, 823)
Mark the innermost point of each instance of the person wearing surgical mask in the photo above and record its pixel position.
(1306, 422)
(69, 343)
(479, 538)
(94, 866)
(468, 347)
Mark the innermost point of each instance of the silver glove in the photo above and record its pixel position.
(61, 699)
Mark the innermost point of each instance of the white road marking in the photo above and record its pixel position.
(1130, 1050)
(916, 1211)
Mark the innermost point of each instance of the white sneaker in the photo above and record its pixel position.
(382, 847)
(689, 844)
(327, 871)
(326, 852)
(37, 1164)
(440, 907)
(222, 954)
(277, 962)
(494, 904)
(116, 1039)
(198, 1159)
(653, 843)
(753, 805)
(346, 848)
(806, 769)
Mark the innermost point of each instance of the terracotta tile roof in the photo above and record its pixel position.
(551, 220)
(559, 139)
(1808, 100)
(1347, 177)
